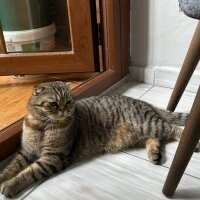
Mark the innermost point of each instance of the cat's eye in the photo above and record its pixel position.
(68, 102)
(53, 104)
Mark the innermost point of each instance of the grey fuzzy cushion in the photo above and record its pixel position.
(191, 8)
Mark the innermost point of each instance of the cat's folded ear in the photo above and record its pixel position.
(38, 89)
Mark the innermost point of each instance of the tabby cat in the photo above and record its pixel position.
(59, 131)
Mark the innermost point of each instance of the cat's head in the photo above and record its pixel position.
(51, 101)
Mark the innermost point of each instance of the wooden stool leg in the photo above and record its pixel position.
(186, 147)
(189, 65)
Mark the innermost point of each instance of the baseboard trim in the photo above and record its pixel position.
(164, 76)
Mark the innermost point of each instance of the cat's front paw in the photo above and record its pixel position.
(8, 189)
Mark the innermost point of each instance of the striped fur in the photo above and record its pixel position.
(59, 131)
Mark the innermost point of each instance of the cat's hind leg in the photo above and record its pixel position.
(153, 147)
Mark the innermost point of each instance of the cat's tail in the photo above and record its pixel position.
(176, 118)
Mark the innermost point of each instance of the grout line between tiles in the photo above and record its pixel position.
(146, 92)
(160, 165)
(173, 88)
(134, 156)
(183, 173)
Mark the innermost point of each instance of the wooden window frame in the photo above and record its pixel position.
(116, 44)
(75, 60)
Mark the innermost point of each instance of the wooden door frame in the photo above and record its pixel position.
(116, 44)
(116, 48)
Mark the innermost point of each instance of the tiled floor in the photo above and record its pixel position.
(125, 175)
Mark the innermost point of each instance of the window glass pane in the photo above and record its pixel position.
(32, 26)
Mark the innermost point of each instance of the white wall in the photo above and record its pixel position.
(160, 34)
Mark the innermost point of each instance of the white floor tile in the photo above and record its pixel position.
(186, 102)
(132, 89)
(193, 166)
(113, 177)
(168, 153)
(159, 96)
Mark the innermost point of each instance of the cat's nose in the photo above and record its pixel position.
(62, 109)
